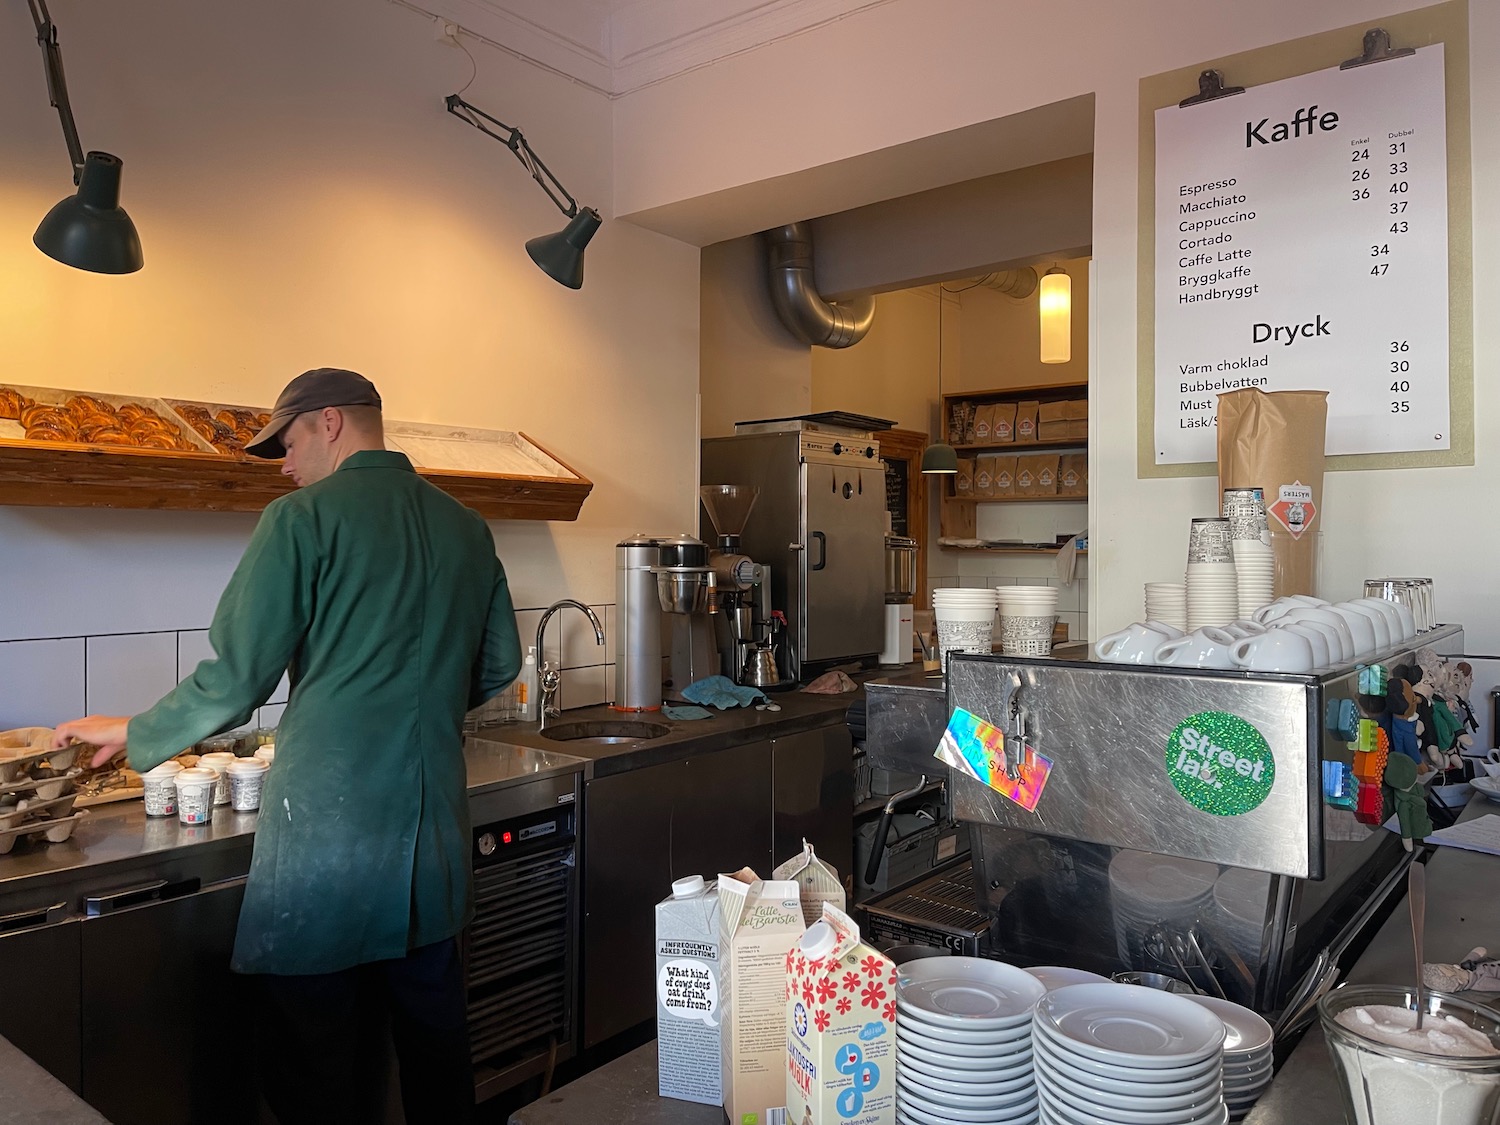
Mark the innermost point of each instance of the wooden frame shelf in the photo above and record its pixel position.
(1058, 445)
(1015, 499)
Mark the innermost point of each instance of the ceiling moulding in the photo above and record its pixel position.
(537, 34)
(653, 40)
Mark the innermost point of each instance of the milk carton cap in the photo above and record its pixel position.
(690, 887)
(819, 940)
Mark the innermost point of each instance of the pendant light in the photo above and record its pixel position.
(1055, 304)
(940, 458)
(88, 230)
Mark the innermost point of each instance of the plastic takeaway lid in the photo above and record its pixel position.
(690, 887)
(819, 940)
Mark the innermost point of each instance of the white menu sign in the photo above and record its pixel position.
(1302, 244)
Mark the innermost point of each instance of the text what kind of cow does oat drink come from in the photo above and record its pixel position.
(687, 993)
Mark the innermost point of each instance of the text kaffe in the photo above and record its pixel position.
(1302, 125)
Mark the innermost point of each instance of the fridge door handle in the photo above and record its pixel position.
(822, 550)
(37, 916)
(107, 902)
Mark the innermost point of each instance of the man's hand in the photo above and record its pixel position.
(104, 731)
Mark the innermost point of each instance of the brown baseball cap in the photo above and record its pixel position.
(312, 390)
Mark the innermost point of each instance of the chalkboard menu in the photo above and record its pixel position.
(896, 478)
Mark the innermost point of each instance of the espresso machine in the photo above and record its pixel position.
(665, 600)
(747, 627)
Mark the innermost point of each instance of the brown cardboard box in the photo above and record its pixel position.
(1005, 477)
(1004, 429)
(1073, 474)
(1046, 474)
(984, 478)
(1052, 421)
(963, 483)
(1078, 419)
(1026, 420)
(984, 423)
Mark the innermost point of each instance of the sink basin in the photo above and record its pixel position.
(606, 731)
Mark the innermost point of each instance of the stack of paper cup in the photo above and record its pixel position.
(965, 621)
(1027, 617)
(1212, 594)
(1250, 544)
(1167, 602)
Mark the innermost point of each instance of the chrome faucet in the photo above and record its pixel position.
(550, 677)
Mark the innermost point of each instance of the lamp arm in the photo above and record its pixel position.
(57, 85)
(511, 138)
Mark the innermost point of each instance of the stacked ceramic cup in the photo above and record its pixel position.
(1027, 616)
(1112, 1053)
(1212, 594)
(1167, 602)
(963, 1042)
(965, 621)
(1247, 1054)
(1250, 544)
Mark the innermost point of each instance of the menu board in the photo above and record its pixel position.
(896, 477)
(1302, 244)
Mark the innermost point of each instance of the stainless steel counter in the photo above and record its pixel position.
(1463, 911)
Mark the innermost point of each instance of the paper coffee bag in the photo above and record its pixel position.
(984, 425)
(1046, 475)
(1026, 420)
(1073, 474)
(984, 477)
(1052, 421)
(1005, 423)
(1275, 441)
(963, 482)
(1005, 477)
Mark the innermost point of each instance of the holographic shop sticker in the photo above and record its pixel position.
(978, 749)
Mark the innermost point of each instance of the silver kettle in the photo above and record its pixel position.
(760, 667)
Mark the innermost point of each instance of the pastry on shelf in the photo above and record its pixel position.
(12, 402)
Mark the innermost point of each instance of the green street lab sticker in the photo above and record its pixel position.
(1220, 763)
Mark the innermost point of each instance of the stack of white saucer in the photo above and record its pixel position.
(1254, 574)
(1248, 1065)
(1167, 602)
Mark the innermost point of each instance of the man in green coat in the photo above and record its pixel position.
(382, 597)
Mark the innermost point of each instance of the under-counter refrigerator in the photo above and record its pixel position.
(819, 524)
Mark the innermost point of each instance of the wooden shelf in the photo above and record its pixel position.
(65, 475)
(1080, 444)
(1015, 499)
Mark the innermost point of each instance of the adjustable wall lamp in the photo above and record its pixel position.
(88, 230)
(559, 255)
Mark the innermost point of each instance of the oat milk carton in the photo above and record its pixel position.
(759, 921)
(818, 881)
(840, 1028)
(687, 993)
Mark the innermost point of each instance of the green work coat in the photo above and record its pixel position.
(383, 598)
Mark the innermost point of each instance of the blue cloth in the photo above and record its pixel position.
(723, 693)
(681, 714)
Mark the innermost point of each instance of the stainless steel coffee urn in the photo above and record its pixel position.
(638, 625)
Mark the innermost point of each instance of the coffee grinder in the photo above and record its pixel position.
(747, 628)
(686, 588)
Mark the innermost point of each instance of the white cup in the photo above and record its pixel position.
(1380, 628)
(1323, 640)
(195, 795)
(1135, 644)
(266, 753)
(1244, 627)
(1342, 645)
(219, 761)
(1361, 628)
(247, 776)
(1276, 650)
(1399, 615)
(1207, 647)
(1282, 606)
(161, 788)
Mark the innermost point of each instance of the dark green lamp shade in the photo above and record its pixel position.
(89, 230)
(561, 255)
(939, 458)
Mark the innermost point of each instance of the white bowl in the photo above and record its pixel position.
(1123, 1108)
(1216, 1114)
(971, 993)
(1489, 786)
(940, 1088)
(915, 1115)
(1119, 1023)
(1142, 1097)
(1048, 1053)
(1002, 1107)
(997, 1040)
(909, 1035)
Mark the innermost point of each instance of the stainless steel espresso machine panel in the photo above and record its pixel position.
(819, 526)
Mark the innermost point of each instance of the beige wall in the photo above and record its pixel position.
(892, 372)
(1002, 336)
(749, 365)
(304, 199)
(686, 138)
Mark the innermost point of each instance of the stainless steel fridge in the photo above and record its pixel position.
(820, 526)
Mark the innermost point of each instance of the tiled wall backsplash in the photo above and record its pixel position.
(48, 680)
(950, 568)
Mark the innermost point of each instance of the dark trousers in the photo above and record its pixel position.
(323, 1047)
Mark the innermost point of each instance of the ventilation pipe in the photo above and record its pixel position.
(1019, 284)
(794, 294)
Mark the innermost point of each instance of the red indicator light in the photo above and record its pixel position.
(505, 837)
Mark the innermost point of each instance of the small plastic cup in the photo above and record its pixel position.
(266, 753)
(161, 789)
(195, 795)
(219, 761)
(247, 776)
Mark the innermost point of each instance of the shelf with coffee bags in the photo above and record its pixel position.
(1018, 499)
(69, 449)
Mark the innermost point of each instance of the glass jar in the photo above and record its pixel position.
(1386, 1085)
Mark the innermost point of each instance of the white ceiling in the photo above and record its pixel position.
(616, 46)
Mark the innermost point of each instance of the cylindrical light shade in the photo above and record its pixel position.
(560, 255)
(89, 230)
(939, 458)
(1056, 303)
